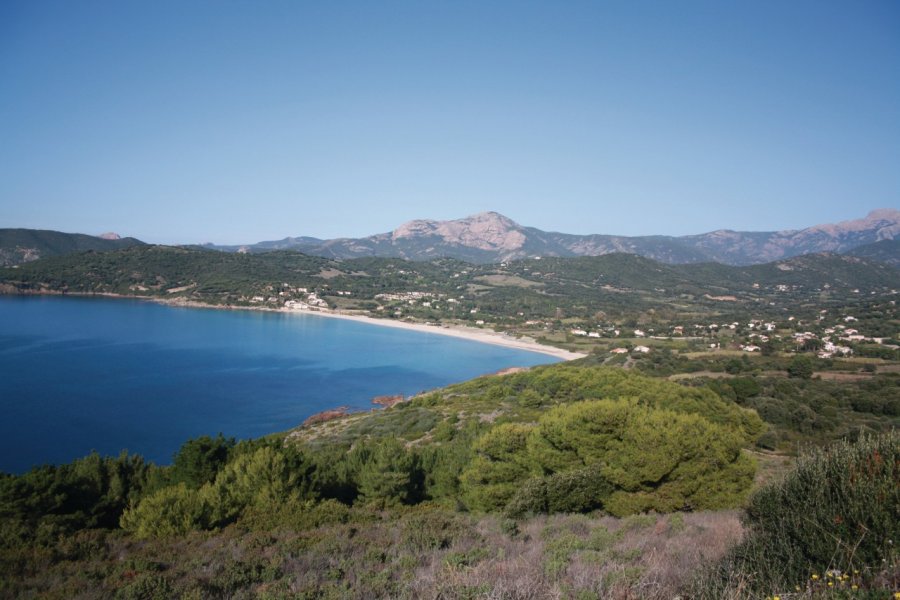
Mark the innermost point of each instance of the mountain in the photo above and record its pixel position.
(490, 237)
(886, 251)
(19, 246)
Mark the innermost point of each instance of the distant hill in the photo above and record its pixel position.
(886, 251)
(19, 246)
(579, 285)
(492, 238)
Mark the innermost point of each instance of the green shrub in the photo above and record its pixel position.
(386, 472)
(199, 460)
(839, 508)
(616, 454)
(264, 479)
(578, 490)
(654, 459)
(171, 511)
(499, 467)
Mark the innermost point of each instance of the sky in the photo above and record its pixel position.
(235, 122)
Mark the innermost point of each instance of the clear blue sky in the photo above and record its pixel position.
(232, 122)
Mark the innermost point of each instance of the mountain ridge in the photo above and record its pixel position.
(489, 237)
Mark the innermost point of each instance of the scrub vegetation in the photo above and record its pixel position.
(566, 480)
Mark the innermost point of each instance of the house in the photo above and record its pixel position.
(642, 349)
(619, 351)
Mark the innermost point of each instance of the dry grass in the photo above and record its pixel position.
(565, 556)
(414, 554)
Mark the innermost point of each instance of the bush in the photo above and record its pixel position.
(200, 459)
(387, 473)
(171, 511)
(654, 459)
(499, 467)
(839, 509)
(578, 490)
(618, 454)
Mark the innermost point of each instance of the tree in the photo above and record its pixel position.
(199, 460)
(501, 463)
(618, 454)
(387, 473)
(801, 367)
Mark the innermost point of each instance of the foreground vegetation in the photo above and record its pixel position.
(461, 493)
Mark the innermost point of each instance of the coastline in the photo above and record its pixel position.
(458, 331)
(483, 336)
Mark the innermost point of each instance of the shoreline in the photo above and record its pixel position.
(458, 331)
(483, 336)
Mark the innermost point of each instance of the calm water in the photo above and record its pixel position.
(85, 374)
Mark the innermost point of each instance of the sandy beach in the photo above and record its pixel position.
(484, 336)
(469, 333)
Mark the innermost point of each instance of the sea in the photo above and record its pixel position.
(85, 374)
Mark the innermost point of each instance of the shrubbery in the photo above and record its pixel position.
(837, 510)
(616, 454)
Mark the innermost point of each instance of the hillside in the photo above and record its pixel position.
(492, 238)
(505, 485)
(19, 246)
(540, 286)
(885, 251)
(534, 287)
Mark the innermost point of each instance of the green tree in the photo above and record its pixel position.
(619, 454)
(388, 473)
(262, 478)
(501, 463)
(199, 460)
(801, 367)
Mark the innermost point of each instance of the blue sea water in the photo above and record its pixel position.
(79, 374)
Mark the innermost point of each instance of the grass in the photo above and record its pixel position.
(411, 553)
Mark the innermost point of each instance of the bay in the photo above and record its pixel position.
(83, 374)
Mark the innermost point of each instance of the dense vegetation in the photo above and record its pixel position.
(458, 473)
(615, 290)
(23, 245)
(429, 497)
(831, 522)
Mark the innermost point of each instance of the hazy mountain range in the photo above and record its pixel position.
(19, 246)
(490, 237)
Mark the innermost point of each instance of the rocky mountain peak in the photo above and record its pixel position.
(484, 231)
(883, 223)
